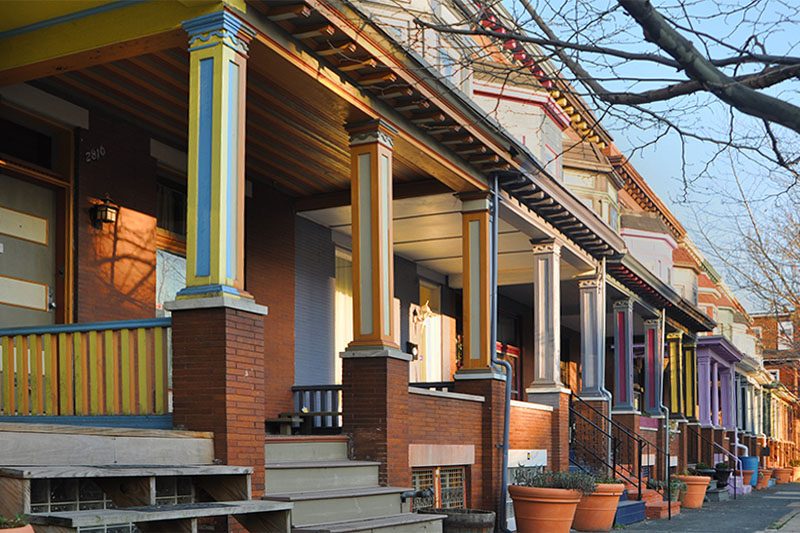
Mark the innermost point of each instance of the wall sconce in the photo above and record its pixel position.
(104, 212)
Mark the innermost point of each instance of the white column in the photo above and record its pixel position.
(593, 333)
(715, 394)
(546, 316)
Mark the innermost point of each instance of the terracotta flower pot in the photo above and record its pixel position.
(747, 475)
(763, 479)
(782, 475)
(795, 473)
(695, 491)
(24, 529)
(596, 511)
(540, 510)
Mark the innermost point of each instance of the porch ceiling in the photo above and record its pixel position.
(296, 139)
(427, 230)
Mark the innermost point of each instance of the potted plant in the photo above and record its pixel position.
(15, 524)
(764, 475)
(722, 472)
(596, 510)
(795, 464)
(696, 485)
(545, 501)
(676, 486)
(747, 475)
(782, 475)
(703, 469)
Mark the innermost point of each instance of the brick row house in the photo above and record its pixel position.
(218, 217)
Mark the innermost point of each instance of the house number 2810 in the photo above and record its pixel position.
(95, 154)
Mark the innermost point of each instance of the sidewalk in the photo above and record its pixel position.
(764, 511)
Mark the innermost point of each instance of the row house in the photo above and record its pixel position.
(235, 220)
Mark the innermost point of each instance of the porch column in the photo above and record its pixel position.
(593, 333)
(217, 328)
(547, 315)
(215, 189)
(623, 357)
(476, 264)
(371, 146)
(715, 394)
(653, 366)
(374, 370)
(674, 341)
(690, 378)
(726, 406)
(704, 376)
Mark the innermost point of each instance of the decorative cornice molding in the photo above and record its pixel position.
(221, 27)
(548, 246)
(623, 305)
(372, 131)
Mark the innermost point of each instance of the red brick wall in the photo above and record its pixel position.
(218, 375)
(115, 265)
(269, 277)
(593, 442)
(530, 429)
(450, 421)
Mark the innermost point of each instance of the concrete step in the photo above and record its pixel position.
(280, 449)
(402, 523)
(629, 512)
(324, 506)
(319, 475)
(659, 510)
(648, 495)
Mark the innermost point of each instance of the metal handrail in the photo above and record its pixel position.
(615, 445)
(736, 460)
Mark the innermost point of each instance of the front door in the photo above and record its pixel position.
(27, 253)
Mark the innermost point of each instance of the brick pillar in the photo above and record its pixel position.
(493, 390)
(584, 430)
(628, 451)
(218, 377)
(683, 447)
(375, 410)
(558, 399)
(706, 450)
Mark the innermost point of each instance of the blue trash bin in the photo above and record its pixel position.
(750, 463)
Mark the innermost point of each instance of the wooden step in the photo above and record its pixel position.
(660, 510)
(254, 515)
(402, 523)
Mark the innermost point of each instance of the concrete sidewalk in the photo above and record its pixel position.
(770, 510)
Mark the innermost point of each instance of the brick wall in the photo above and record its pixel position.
(269, 277)
(218, 377)
(115, 265)
(593, 442)
(450, 421)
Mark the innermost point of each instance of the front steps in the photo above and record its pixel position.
(660, 510)
(154, 480)
(333, 494)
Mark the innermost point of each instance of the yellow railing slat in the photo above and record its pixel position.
(35, 347)
(8, 377)
(51, 376)
(109, 364)
(160, 382)
(94, 375)
(143, 371)
(21, 375)
(125, 369)
(80, 375)
(65, 375)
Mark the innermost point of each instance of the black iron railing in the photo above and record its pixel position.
(737, 463)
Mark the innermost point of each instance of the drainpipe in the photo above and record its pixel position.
(493, 351)
(665, 410)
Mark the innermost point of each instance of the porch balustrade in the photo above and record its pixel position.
(98, 368)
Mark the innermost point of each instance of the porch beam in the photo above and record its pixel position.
(413, 189)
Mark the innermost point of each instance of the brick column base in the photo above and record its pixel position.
(493, 390)
(558, 454)
(218, 378)
(375, 410)
(683, 446)
(585, 430)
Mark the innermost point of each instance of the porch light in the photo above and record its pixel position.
(104, 212)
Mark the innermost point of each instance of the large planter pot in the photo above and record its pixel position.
(747, 475)
(595, 511)
(795, 473)
(782, 475)
(464, 520)
(695, 491)
(24, 529)
(722, 477)
(763, 478)
(540, 510)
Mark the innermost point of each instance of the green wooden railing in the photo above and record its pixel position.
(98, 368)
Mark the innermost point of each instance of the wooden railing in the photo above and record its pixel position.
(320, 399)
(98, 368)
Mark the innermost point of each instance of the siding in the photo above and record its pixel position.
(314, 304)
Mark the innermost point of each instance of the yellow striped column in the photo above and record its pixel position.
(371, 146)
(690, 377)
(215, 212)
(476, 291)
(674, 342)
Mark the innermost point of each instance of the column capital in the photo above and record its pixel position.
(475, 201)
(623, 305)
(221, 27)
(546, 246)
(371, 131)
(588, 284)
(652, 323)
(675, 335)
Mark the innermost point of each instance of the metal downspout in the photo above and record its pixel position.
(665, 410)
(493, 351)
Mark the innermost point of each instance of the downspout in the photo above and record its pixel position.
(493, 351)
(665, 410)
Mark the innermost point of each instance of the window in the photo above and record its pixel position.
(785, 335)
(448, 483)
(171, 207)
(757, 331)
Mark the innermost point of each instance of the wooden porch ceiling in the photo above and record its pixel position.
(295, 138)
